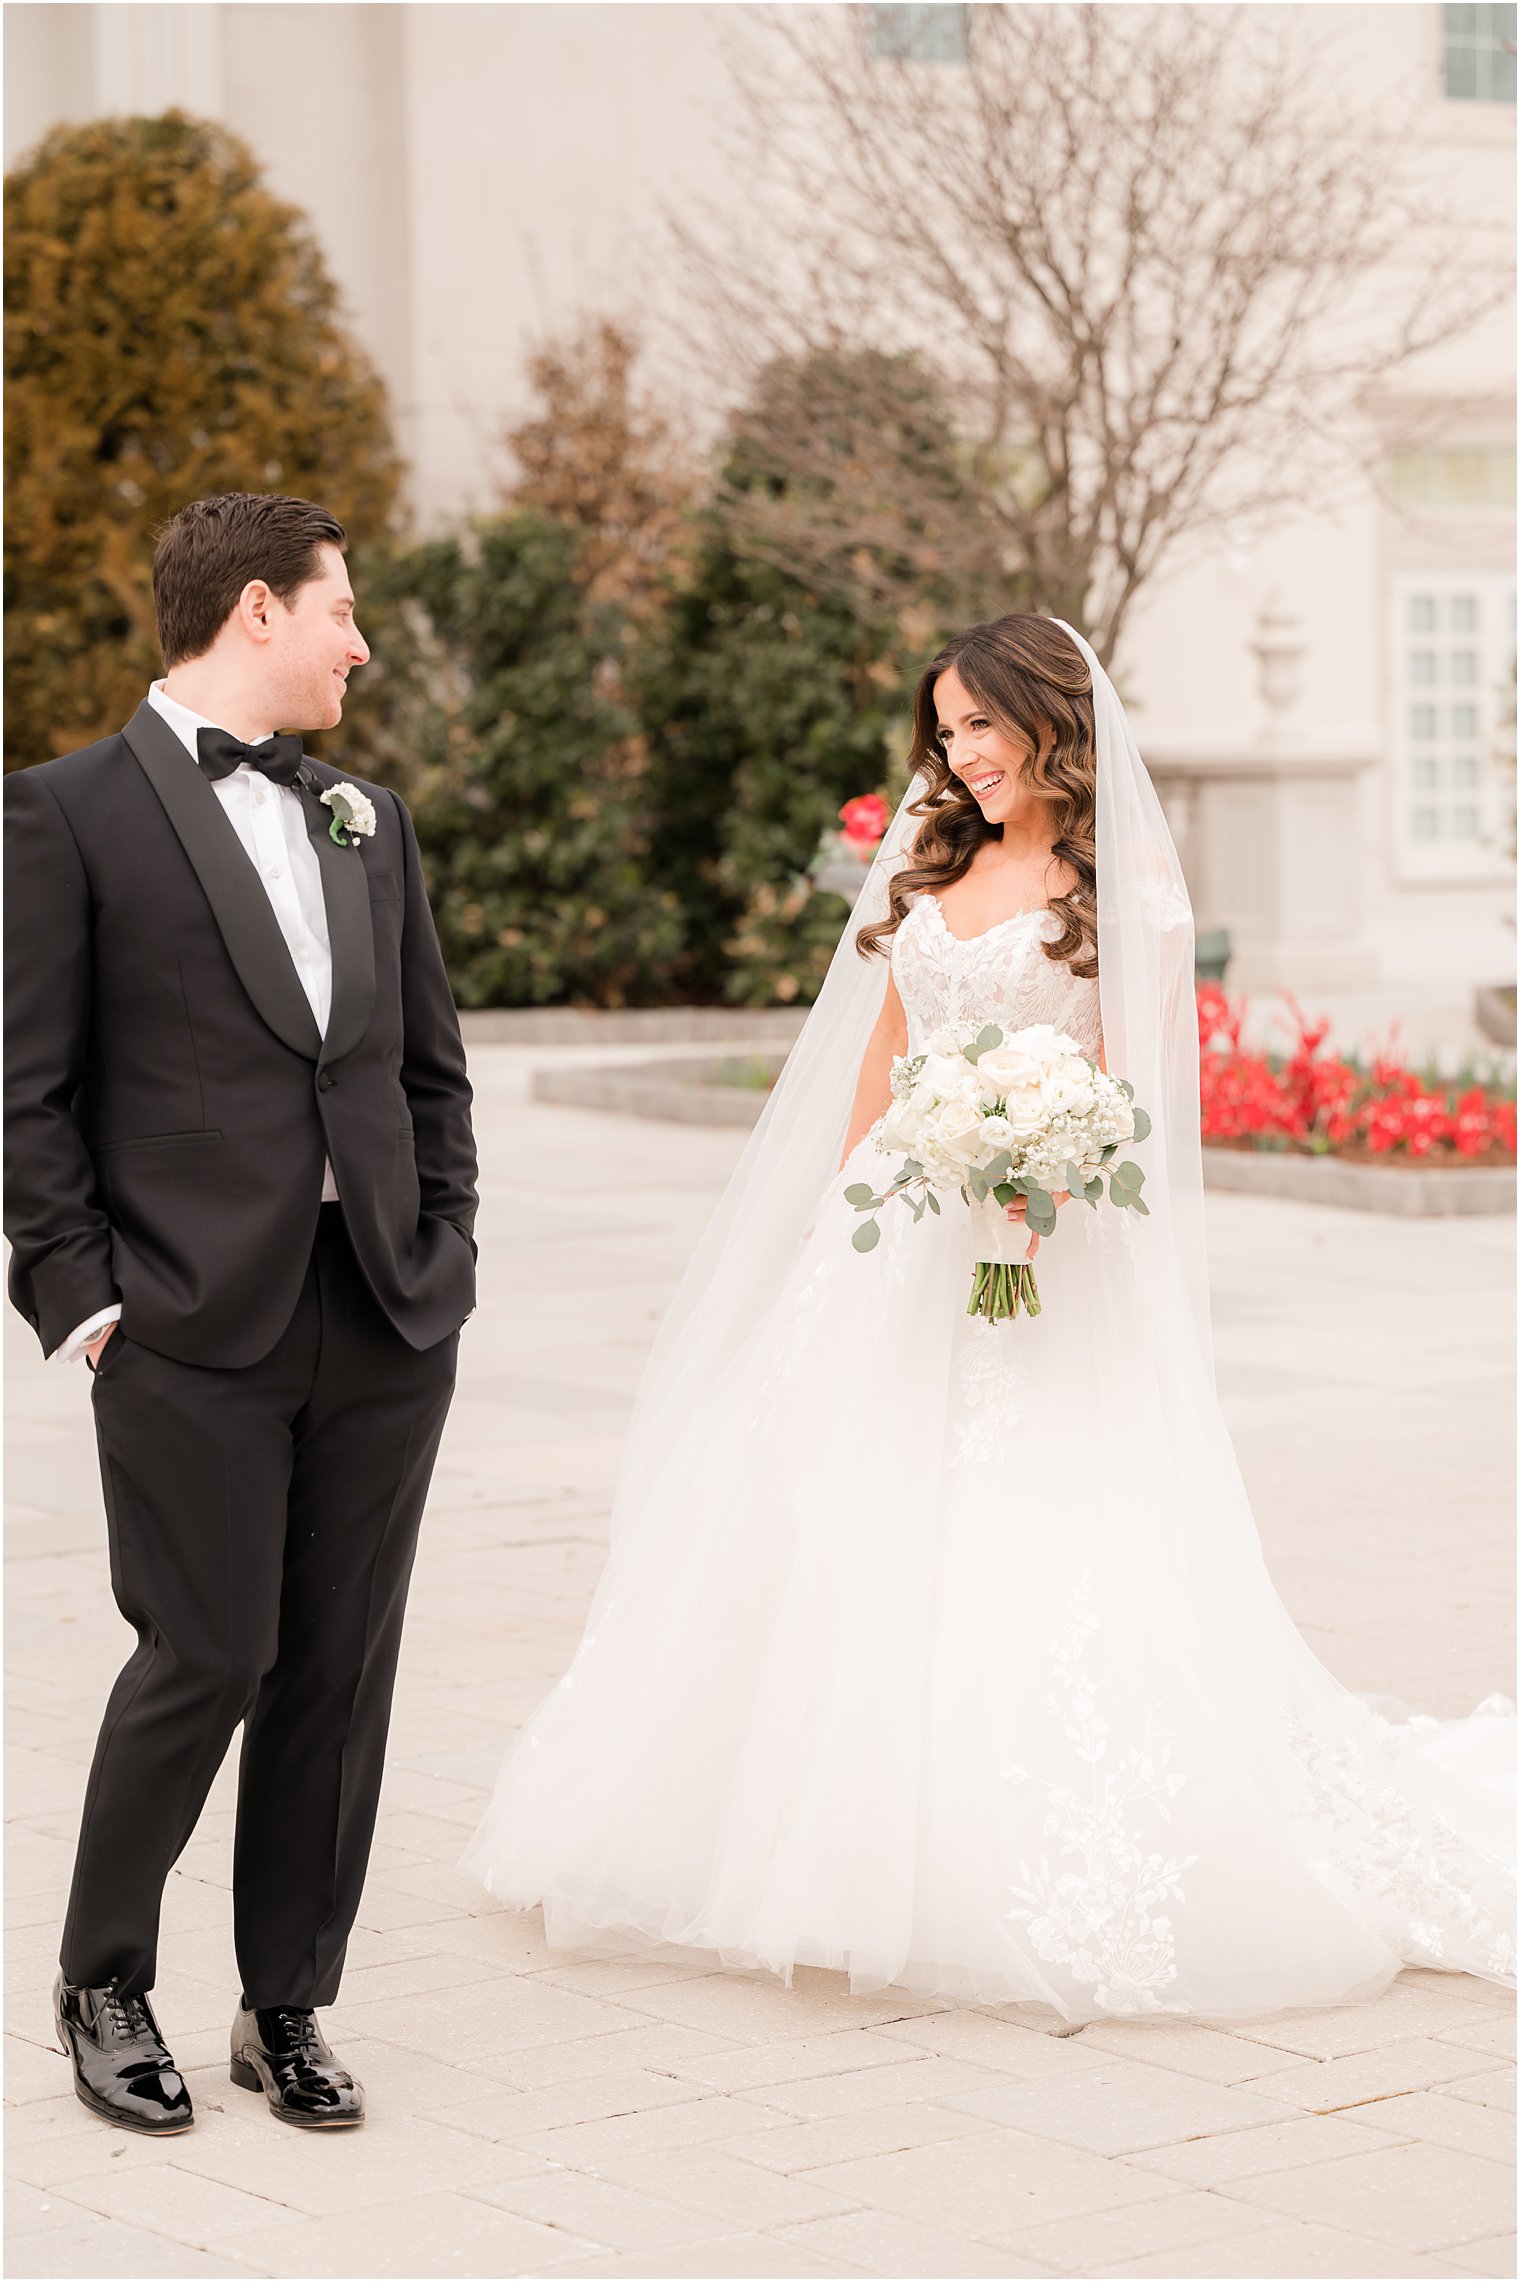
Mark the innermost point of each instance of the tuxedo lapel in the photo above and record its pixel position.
(350, 929)
(232, 887)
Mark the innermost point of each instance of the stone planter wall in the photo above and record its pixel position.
(1424, 1191)
(628, 1026)
(691, 1092)
(680, 1092)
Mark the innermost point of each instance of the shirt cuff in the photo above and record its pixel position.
(77, 1341)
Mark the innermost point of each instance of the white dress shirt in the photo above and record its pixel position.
(270, 821)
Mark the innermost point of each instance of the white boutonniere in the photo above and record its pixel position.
(353, 812)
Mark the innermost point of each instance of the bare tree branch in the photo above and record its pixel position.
(601, 455)
(1146, 255)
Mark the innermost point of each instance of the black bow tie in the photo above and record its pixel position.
(219, 753)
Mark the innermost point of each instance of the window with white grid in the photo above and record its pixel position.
(1453, 661)
(1480, 51)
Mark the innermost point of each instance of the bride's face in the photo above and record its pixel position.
(989, 763)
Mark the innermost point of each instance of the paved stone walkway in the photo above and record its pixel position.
(536, 2115)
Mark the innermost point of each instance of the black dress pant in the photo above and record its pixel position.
(262, 1527)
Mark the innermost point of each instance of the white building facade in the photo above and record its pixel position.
(1325, 707)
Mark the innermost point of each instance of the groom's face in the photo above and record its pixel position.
(314, 646)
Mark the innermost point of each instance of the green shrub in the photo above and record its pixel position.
(766, 706)
(530, 794)
(837, 549)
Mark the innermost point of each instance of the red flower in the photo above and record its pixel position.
(1320, 1100)
(865, 819)
(1215, 1018)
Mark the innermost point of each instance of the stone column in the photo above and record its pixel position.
(149, 57)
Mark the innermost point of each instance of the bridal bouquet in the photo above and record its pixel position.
(998, 1117)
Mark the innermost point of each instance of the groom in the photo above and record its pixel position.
(240, 1181)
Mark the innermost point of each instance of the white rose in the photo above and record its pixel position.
(1008, 1068)
(925, 1098)
(1067, 1091)
(945, 1077)
(958, 1132)
(902, 1128)
(997, 1133)
(985, 1092)
(941, 1170)
(1043, 1043)
(1025, 1112)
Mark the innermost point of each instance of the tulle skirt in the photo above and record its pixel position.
(942, 1653)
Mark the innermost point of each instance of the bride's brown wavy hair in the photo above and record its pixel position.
(1030, 679)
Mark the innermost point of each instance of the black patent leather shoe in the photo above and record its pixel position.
(282, 2053)
(123, 2070)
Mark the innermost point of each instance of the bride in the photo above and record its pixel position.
(941, 1651)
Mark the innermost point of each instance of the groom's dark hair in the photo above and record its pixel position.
(208, 552)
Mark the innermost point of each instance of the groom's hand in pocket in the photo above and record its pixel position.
(97, 1347)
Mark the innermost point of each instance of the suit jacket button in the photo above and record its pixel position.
(325, 1080)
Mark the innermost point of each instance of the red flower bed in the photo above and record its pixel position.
(1324, 1103)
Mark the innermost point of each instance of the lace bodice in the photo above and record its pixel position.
(1001, 975)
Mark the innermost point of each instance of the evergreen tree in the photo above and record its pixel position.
(531, 803)
(783, 684)
(768, 706)
(171, 331)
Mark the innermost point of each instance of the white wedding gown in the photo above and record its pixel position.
(943, 1653)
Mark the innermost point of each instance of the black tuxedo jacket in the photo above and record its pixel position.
(169, 1102)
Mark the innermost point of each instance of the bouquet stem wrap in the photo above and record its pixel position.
(1003, 1284)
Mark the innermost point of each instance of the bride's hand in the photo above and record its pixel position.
(1020, 1205)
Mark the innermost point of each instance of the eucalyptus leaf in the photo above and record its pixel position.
(1005, 1192)
(867, 1236)
(1142, 1125)
(932, 1200)
(860, 1194)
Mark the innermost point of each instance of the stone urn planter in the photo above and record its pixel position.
(1494, 1012)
